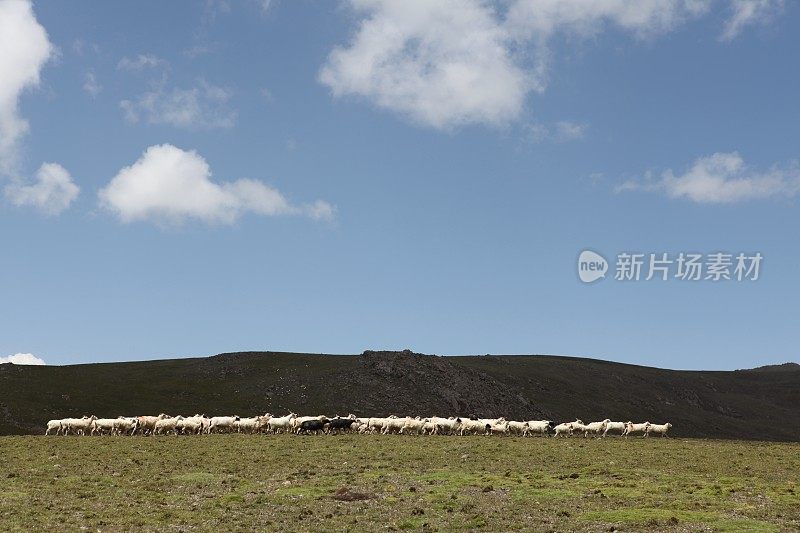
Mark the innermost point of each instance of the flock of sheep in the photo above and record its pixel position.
(292, 423)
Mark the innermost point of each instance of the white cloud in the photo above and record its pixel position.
(201, 107)
(570, 131)
(722, 178)
(442, 63)
(52, 192)
(170, 185)
(25, 49)
(79, 47)
(211, 10)
(267, 95)
(449, 63)
(537, 132)
(319, 210)
(141, 62)
(22, 359)
(747, 12)
(198, 50)
(214, 7)
(561, 131)
(91, 85)
(265, 5)
(538, 19)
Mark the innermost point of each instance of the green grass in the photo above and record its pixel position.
(654, 517)
(289, 483)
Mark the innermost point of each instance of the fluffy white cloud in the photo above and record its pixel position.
(25, 49)
(22, 359)
(170, 185)
(453, 62)
(722, 178)
(442, 63)
(141, 62)
(201, 107)
(747, 12)
(52, 192)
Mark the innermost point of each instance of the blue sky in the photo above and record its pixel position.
(186, 178)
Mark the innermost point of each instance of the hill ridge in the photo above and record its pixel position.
(747, 404)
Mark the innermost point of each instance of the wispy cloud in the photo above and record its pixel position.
(91, 85)
(211, 10)
(561, 131)
(80, 47)
(141, 62)
(721, 178)
(265, 5)
(749, 12)
(204, 106)
(198, 50)
(267, 95)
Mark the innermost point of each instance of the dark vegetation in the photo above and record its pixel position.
(744, 404)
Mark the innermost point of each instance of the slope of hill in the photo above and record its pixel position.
(746, 404)
(785, 367)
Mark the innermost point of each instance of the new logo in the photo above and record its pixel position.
(591, 266)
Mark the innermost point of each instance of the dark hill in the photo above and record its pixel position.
(785, 367)
(747, 404)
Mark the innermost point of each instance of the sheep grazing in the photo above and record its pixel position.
(55, 426)
(248, 425)
(413, 426)
(579, 426)
(636, 429)
(338, 424)
(279, 424)
(518, 428)
(538, 427)
(444, 426)
(125, 425)
(563, 430)
(79, 426)
(471, 427)
(614, 427)
(147, 424)
(597, 428)
(103, 426)
(198, 424)
(222, 424)
(167, 425)
(657, 429)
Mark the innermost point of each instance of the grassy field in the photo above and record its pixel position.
(379, 483)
